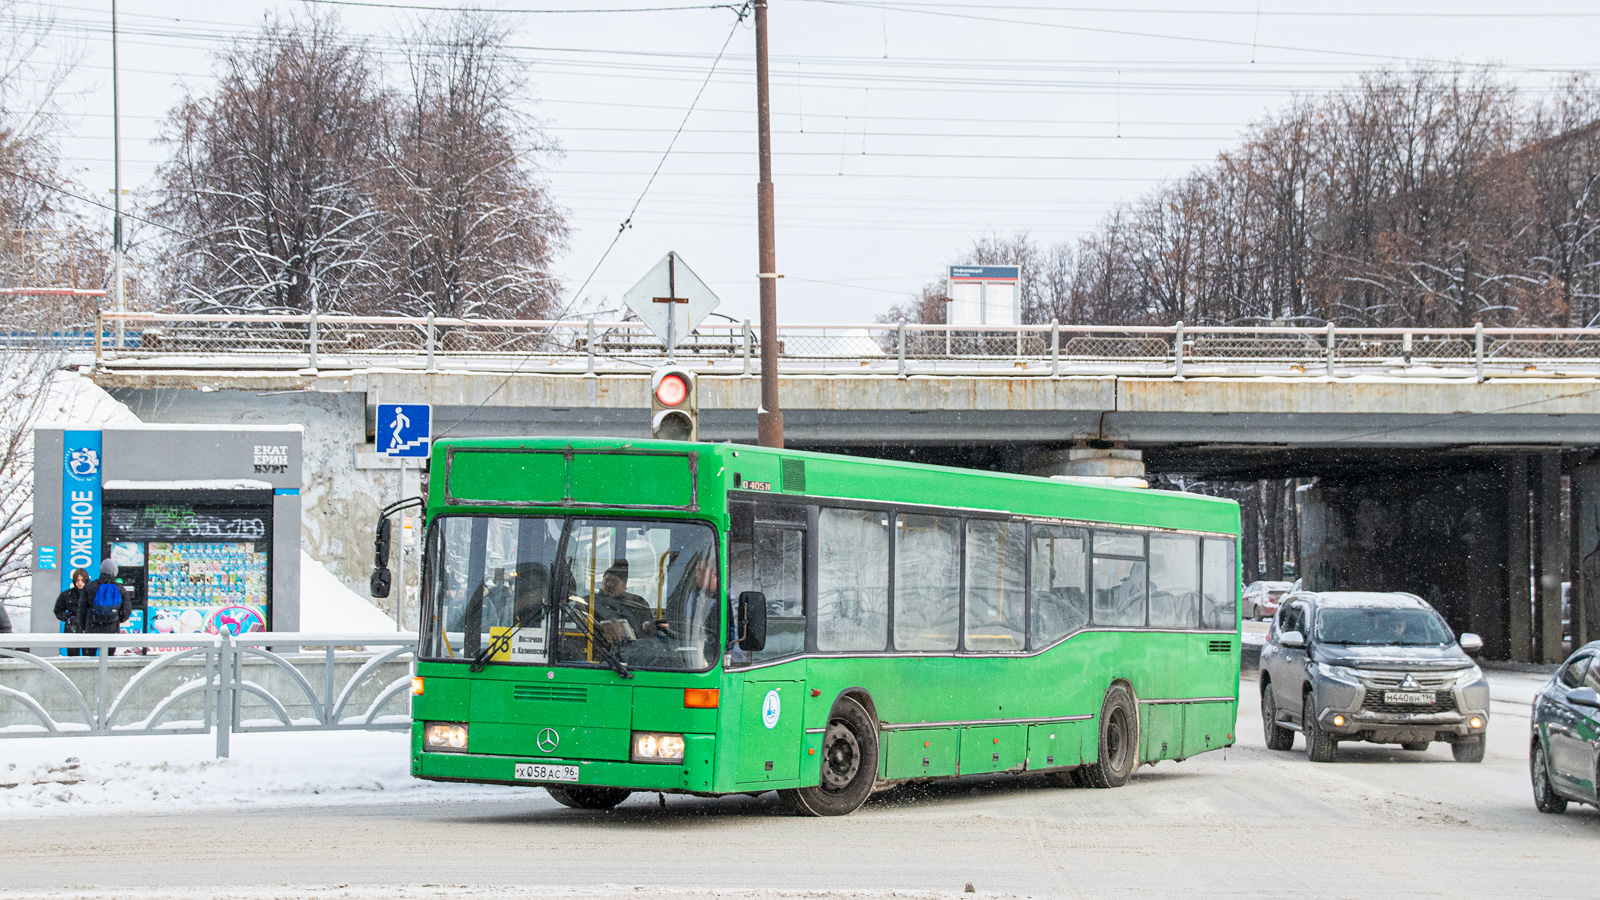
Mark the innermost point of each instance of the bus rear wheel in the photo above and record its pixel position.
(849, 765)
(588, 797)
(1119, 742)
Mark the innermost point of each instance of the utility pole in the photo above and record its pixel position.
(119, 303)
(769, 418)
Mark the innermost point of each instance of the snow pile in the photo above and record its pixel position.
(174, 773)
(328, 607)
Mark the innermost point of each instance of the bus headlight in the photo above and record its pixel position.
(446, 736)
(653, 746)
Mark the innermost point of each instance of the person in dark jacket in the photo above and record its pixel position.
(108, 605)
(5, 620)
(70, 606)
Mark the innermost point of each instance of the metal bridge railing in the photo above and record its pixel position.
(198, 683)
(604, 347)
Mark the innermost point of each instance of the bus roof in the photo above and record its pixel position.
(825, 475)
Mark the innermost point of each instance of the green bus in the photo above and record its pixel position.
(604, 616)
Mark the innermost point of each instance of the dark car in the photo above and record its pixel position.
(1565, 745)
(1378, 667)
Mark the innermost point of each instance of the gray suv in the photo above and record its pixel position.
(1380, 667)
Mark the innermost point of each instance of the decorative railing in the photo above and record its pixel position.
(193, 684)
(591, 346)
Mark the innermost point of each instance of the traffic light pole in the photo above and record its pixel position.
(769, 418)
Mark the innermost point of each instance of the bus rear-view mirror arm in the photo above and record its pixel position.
(752, 621)
(382, 579)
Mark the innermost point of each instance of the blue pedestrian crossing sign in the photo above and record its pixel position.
(404, 430)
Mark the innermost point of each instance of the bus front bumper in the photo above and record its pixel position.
(694, 773)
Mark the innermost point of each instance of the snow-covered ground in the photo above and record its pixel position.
(66, 776)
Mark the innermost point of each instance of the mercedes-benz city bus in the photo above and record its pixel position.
(607, 616)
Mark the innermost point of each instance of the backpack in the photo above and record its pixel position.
(106, 608)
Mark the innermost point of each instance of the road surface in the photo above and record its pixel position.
(1247, 822)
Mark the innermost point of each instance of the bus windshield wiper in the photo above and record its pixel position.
(608, 651)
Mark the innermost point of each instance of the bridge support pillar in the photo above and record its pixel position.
(1116, 465)
(1446, 535)
(1519, 597)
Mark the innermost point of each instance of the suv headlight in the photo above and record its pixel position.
(1338, 673)
(445, 736)
(657, 747)
(1468, 676)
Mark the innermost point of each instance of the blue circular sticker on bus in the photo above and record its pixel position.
(770, 709)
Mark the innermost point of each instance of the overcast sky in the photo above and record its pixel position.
(901, 128)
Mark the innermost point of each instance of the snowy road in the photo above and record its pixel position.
(1381, 822)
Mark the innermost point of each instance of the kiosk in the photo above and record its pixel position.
(203, 522)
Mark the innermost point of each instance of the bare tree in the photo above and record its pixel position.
(469, 228)
(266, 183)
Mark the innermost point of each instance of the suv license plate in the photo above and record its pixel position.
(1419, 698)
(542, 772)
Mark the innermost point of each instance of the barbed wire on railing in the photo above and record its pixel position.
(592, 346)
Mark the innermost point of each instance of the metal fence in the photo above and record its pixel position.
(194, 684)
(607, 347)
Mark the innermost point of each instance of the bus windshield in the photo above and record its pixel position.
(618, 593)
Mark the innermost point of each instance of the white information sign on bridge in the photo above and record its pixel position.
(671, 300)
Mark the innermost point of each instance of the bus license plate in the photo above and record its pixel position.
(542, 772)
(1416, 698)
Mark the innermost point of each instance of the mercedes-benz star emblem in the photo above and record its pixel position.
(548, 740)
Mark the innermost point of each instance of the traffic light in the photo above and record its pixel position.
(674, 409)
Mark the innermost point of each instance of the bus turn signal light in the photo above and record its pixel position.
(701, 698)
(416, 685)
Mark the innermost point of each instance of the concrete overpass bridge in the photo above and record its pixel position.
(1454, 463)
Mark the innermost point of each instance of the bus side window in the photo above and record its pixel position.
(1174, 581)
(1220, 581)
(852, 580)
(996, 581)
(1059, 576)
(927, 582)
(1120, 583)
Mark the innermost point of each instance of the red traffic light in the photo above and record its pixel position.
(672, 390)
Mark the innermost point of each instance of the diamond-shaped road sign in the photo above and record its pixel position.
(671, 300)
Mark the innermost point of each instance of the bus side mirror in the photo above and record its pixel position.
(381, 579)
(752, 621)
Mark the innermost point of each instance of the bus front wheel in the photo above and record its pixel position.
(849, 765)
(1119, 742)
(588, 797)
